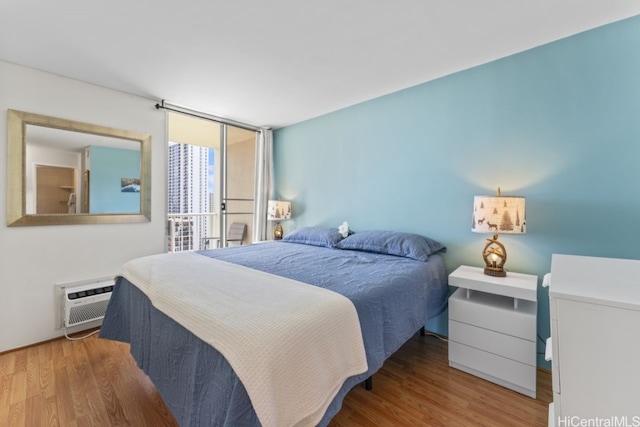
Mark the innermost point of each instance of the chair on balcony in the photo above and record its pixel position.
(235, 235)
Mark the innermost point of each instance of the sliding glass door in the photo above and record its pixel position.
(237, 178)
(211, 175)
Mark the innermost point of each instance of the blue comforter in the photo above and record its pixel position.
(394, 297)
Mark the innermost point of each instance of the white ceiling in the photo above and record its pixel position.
(274, 63)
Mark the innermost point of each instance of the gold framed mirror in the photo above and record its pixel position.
(62, 171)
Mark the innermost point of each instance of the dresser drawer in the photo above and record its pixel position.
(506, 372)
(494, 312)
(508, 346)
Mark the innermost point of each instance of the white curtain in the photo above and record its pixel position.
(264, 183)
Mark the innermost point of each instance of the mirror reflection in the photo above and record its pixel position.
(66, 172)
(72, 173)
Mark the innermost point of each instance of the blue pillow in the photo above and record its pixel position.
(315, 236)
(407, 245)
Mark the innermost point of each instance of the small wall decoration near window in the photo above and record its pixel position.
(130, 185)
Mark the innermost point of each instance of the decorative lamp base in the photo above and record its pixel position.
(494, 255)
(277, 232)
(495, 272)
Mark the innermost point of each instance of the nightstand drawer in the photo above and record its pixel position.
(494, 312)
(518, 349)
(506, 372)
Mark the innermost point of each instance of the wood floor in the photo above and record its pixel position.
(96, 382)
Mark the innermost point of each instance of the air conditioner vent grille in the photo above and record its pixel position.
(87, 312)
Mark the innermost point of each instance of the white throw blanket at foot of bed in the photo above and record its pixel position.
(291, 344)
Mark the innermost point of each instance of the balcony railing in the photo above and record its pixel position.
(192, 231)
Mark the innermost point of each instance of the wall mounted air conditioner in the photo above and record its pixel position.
(84, 302)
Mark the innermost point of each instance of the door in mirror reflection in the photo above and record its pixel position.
(55, 190)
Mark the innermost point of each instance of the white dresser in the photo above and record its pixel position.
(492, 327)
(595, 339)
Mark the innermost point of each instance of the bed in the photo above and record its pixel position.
(395, 282)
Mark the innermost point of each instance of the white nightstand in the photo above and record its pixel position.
(492, 327)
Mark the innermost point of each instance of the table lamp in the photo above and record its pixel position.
(278, 210)
(498, 215)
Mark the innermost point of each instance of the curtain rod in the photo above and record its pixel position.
(189, 112)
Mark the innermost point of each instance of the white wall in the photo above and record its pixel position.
(33, 259)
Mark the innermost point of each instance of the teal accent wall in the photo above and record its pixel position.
(558, 124)
(108, 167)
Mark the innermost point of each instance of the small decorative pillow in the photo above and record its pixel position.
(315, 236)
(407, 245)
